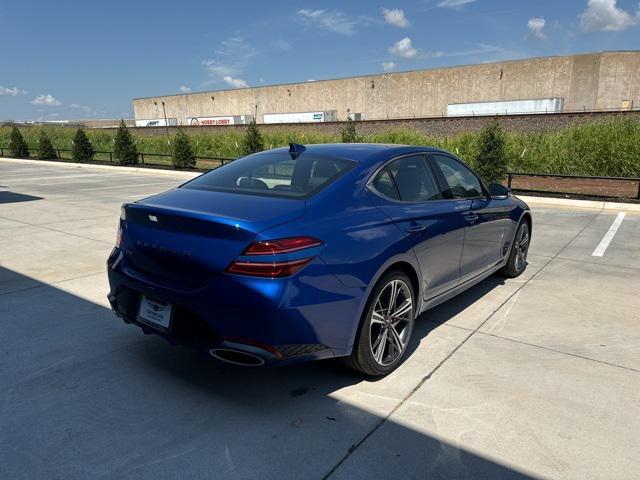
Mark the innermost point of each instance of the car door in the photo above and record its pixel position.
(485, 219)
(407, 191)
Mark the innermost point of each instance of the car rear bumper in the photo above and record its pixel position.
(305, 317)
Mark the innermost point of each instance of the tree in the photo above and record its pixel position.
(82, 150)
(252, 141)
(491, 160)
(45, 147)
(349, 134)
(183, 156)
(17, 145)
(124, 149)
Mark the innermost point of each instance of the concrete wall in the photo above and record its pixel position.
(585, 82)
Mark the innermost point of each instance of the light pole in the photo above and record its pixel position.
(166, 124)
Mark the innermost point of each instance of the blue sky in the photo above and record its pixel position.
(84, 59)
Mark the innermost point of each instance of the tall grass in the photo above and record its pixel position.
(611, 148)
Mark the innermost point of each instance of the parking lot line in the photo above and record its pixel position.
(606, 240)
(132, 186)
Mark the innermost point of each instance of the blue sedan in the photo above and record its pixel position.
(313, 252)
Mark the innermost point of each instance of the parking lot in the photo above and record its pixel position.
(534, 377)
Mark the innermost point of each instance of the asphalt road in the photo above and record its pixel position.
(527, 378)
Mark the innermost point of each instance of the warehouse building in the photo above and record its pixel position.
(586, 82)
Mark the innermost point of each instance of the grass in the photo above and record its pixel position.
(608, 149)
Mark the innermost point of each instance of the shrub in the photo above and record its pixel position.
(252, 141)
(348, 133)
(491, 159)
(17, 144)
(82, 150)
(183, 156)
(45, 147)
(124, 149)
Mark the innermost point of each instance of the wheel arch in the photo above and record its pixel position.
(406, 265)
(526, 216)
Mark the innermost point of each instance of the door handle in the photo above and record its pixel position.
(415, 229)
(471, 218)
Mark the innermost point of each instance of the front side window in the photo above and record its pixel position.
(461, 182)
(275, 174)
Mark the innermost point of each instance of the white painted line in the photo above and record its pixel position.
(168, 184)
(103, 178)
(606, 240)
(61, 178)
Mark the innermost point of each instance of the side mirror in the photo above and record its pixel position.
(498, 191)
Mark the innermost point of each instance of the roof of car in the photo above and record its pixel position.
(360, 152)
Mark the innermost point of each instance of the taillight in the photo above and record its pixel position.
(123, 217)
(282, 245)
(275, 266)
(119, 235)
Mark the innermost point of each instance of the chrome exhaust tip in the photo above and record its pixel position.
(236, 357)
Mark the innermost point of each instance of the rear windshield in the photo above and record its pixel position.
(274, 174)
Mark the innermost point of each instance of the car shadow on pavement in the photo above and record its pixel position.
(13, 197)
(431, 319)
(82, 395)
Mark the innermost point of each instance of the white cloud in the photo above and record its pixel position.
(219, 69)
(48, 100)
(404, 48)
(87, 110)
(536, 27)
(332, 20)
(387, 66)
(604, 15)
(454, 3)
(13, 91)
(395, 16)
(235, 82)
(232, 57)
(184, 89)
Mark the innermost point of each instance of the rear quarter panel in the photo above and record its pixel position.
(360, 244)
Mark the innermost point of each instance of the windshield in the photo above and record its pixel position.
(276, 174)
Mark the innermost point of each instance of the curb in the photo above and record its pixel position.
(149, 171)
(567, 202)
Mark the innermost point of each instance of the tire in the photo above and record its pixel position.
(375, 352)
(517, 262)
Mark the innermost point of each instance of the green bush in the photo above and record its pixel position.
(82, 150)
(183, 156)
(17, 144)
(491, 161)
(124, 150)
(348, 133)
(610, 148)
(252, 141)
(45, 147)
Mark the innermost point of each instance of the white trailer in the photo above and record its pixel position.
(300, 117)
(512, 107)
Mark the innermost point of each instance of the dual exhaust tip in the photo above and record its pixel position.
(236, 357)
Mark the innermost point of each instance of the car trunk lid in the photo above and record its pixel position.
(186, 236)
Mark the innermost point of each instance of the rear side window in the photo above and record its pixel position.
(461, 182)
(274, 174)
(383, 183)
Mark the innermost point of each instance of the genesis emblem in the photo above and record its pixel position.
(153, 218)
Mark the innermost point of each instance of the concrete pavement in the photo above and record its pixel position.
(536, 377)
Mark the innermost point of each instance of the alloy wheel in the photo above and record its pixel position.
(522, 247)
(391, 322)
